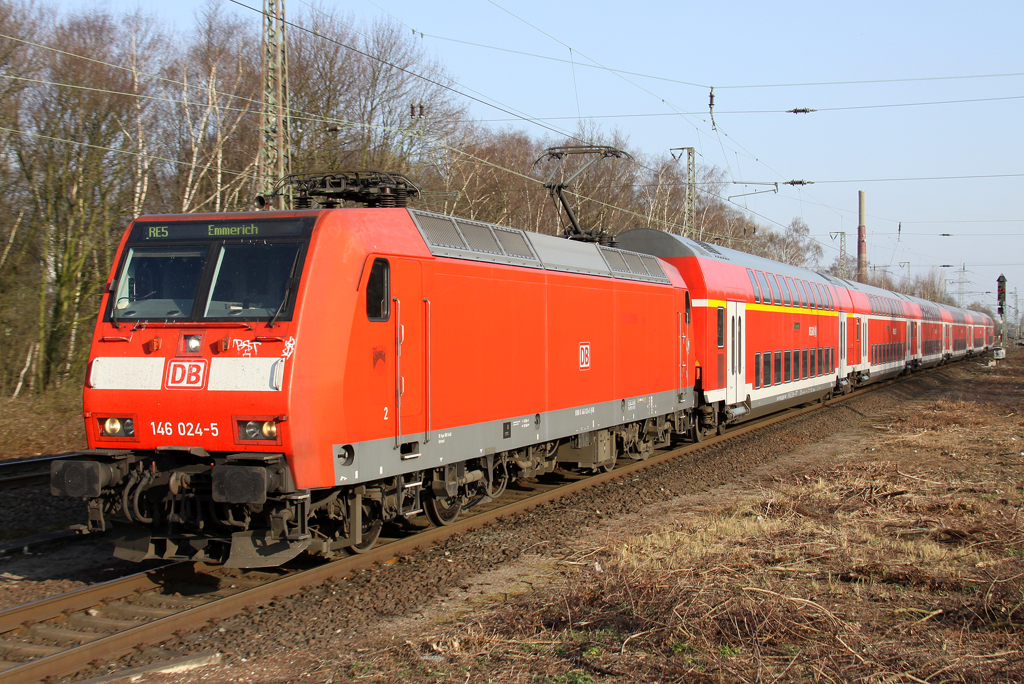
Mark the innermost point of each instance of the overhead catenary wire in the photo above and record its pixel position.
(649, 115)
(838, 211)
(240, 98)
(703, 86)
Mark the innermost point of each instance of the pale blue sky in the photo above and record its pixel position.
(756, 43)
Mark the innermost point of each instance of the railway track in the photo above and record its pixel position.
(59, 636)
(28, 471)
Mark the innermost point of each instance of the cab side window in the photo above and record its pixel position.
(378, 291)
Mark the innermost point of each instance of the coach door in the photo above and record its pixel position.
(410, 341)
(683, 347)
(841, 347)
(865, 328)
(735, 313)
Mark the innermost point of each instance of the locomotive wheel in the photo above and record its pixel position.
(372, 524)
(442, 512)
(371, 533)
(697, 433)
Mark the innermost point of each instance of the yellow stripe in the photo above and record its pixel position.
(791, 309)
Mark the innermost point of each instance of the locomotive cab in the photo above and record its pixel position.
(186, 397)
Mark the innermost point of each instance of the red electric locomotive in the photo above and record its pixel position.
(268, 383)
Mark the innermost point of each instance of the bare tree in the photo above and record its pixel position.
(217, 113)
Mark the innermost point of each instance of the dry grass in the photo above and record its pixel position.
(904, 566)
(50, 423)
(855, 574)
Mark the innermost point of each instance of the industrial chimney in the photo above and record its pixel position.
(862, 244)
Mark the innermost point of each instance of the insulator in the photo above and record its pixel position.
(303, 202)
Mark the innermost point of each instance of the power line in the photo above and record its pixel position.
(922, 178)
(550, 58)
(432, 81)
(771, 111)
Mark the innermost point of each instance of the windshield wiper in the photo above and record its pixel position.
(287, 289)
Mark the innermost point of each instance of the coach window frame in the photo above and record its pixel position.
(753, 283)
(766, 291)
(383, 281)
(778, 367)
(773, 282)
(797, 297)
(788, 366)
(787, 297)
(721, 327)
(805, 299)
(757, 370)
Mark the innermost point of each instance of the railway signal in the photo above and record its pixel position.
(1001, 289)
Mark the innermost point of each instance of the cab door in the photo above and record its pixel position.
(735, 344)
(408, 343)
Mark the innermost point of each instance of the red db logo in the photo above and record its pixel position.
(186, 374)
(584, 356)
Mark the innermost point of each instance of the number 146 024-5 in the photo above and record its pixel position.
(184, 429)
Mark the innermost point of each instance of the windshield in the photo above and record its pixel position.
(159, 282)
(230, 269)
(251, 279)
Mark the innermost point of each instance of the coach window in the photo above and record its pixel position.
(821, 363)
(858, 330)
(721, 327)
(377, 291)
(831, 302)
(821, 296)
(757, 370)
(789, 365)
(805, 299)
(797, 298)
(766, 294)
(767, 369)
(813, 363)
(687, 308)
(803, 364)
(753, 284)
(776, 292)
(778, 368)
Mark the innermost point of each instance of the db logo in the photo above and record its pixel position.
(186, 374)
(584, 356)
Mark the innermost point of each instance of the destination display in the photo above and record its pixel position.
(151, 231)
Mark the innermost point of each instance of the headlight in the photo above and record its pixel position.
(193, 342)
(259, 429)
(117, 427)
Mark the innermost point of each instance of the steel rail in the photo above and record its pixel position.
(110, 647)
(28, 471)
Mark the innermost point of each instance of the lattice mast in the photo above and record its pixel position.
(275, 154)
